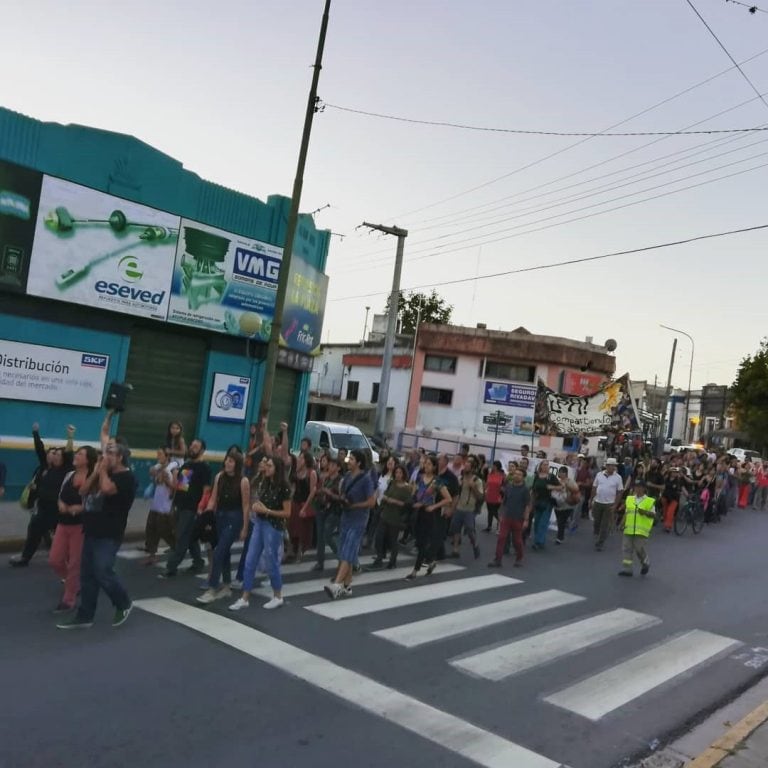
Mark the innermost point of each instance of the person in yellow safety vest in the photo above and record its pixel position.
(641, 512)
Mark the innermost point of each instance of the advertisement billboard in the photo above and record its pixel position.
(224, 282)
(229, 397)
(102, 251)
(52, 374)
(304, 307)
(512, 395)
(19, 199)
(581, 384)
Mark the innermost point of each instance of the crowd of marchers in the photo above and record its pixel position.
(287, 506)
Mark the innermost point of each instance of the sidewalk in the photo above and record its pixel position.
(14, 520)
(744, 746)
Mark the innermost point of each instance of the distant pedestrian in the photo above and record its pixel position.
(358, 493)
(567, 499)
(395, 506)
(160, 523)
(230, 501)
(193, 485)
(463, 516)
(514, 514)
(175, 444)
(271, 503)
(607, 491)
(638, 521)
(493, 484)
(541, 490)
(110, 491)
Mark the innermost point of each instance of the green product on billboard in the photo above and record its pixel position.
(204, 281)
(62, 222)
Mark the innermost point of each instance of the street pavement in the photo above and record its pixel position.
(560, 662)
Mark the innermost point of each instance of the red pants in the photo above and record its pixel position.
(64, 558)
(515, 527)
(744, 491)
(669, 507)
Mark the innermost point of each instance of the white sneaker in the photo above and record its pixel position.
(275, 602)
(333, 590)
(238, 604)
(346, 591)
(223, 591)
(207, 597)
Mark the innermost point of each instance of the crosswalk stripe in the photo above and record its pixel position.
(461, 622)
(600, 694)
(520, 655)
(447, 731)
(361, 579)
(385, 600)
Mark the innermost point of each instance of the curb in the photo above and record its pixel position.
(726, 744)
(13, 546)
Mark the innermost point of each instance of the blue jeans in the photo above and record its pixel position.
(97, 569)
(327, 522)
(229, 523)
(185, 527)
(265, 539)
(246, 544)
(542, 511)
(351, 531)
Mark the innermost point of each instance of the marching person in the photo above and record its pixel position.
(515, 512)
(638, 521)
(607, 491)
(160, 516)
(113, 486)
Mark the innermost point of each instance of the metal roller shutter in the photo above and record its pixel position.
(166, 372)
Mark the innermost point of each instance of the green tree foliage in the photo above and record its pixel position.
(421, 308)
(749, 396)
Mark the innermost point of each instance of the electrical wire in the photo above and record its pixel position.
(506, 237)
(543, 159)
(413, 255)
(726, 51)
(455, 216)
(749, 6)
(524, 132)
(568, 262)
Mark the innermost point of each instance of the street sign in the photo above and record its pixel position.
(496, 418)
(500, 430)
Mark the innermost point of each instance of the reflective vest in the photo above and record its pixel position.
(635, 522)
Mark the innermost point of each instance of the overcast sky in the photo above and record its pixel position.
(222, 87)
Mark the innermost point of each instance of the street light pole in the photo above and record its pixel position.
(690, 375)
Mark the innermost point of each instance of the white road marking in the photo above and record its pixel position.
(441, 728)
(383, 601)
(596, 696)
(360, 579)
(520, 655)
(460, 622)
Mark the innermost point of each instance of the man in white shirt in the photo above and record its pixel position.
(607, 492)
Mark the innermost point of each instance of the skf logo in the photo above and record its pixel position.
(94, 361)
(249, 264)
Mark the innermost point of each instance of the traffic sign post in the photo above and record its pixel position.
(497, 422)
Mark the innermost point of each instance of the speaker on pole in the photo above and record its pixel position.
(117, 394)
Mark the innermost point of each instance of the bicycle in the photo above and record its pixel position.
(691, 512)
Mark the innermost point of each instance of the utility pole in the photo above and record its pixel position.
(270, 365)
(668, 391)
(389, 342)
(690, 376)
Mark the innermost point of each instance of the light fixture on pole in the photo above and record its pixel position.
(690, 375)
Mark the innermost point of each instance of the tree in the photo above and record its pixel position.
(421, 308)
(749, 396)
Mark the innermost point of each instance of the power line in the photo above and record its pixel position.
(568, 262)
(526, 132)
(727, 53)
(456, 215)
(543, 159)
(749, 6)
(439, 250)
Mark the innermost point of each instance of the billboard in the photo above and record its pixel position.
(512, 395)
(229, 397)
(581, 384)
(102, 251)
(304, 307)
(224, 282)
(52, 374)
(19, 198)
(610, 409)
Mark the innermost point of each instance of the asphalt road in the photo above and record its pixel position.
(180, 685)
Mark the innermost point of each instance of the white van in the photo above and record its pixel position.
(330, 436)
